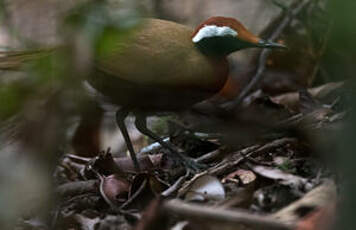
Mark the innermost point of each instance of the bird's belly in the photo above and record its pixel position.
(146, 97)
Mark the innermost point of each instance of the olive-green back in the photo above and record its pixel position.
(161, 53)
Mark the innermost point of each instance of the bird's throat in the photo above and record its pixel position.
(221, 46)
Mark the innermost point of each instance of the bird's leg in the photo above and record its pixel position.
(141, 125)
(121, 114)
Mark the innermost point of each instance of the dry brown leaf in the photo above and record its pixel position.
(245, 176)
(284, 177)
(291, 100)
(204, 188)
(316, 199)
(114, 189)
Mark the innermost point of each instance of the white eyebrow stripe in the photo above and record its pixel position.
(214, 31)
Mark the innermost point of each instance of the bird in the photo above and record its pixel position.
(165, 66)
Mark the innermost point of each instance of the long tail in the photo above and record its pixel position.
(15, 60)
(12, 127)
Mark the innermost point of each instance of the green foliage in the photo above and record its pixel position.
(102, 26)
(287, 166)
(99, 27)
(281, 4)
(43, 72)
(49, 69)
(160, 125)
(11, 100)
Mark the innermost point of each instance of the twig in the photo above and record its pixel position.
(248, 152)
(265, 54)
(134, 196)
(233, 218)
(232, 162)
(152, 147)
(320, 54)
(209, 156)
(174, 188)
(77, 188)
(237, 157)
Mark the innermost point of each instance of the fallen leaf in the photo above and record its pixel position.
(307, 103)
(204, 188)
(277, 174)
(85, 222)
(114, 189)
(319, 219)
(242, 175)
(144, 188)
(291, 100)
(318, 198)
(180, 225)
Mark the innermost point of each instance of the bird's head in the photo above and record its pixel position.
(222, 35)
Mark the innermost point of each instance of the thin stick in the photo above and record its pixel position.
(77, 188)
(209, 156)
(265, 54)
(176, 186)
(226, 166)
(134, 196)
(233, 218)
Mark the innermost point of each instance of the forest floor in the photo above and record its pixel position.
(282, 181)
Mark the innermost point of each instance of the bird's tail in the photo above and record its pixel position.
(11, 126)
(15, 60)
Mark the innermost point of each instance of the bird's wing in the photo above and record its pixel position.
(159, 53)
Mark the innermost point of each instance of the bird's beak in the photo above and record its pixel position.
(269, 44)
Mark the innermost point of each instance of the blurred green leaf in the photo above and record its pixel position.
(97, 21)
(280, 4)
(12, 98)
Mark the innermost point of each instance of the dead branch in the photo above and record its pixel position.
(230, 217)
(77, 188)
(237, 157)
(289, 15)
